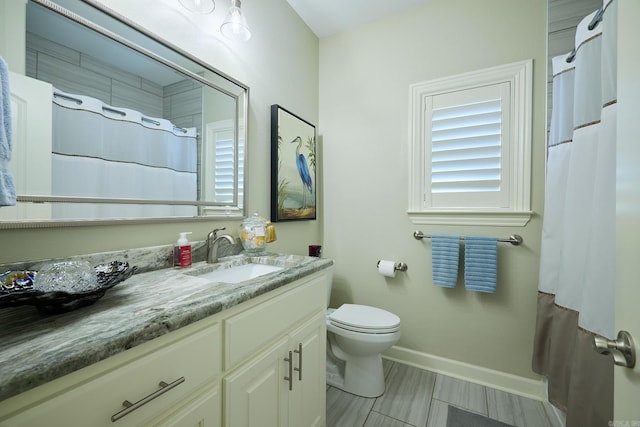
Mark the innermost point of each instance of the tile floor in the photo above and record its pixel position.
(415, 397)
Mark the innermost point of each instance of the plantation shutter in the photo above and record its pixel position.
(218, 168)
(224, 170)
(241, 163)
(467, 137)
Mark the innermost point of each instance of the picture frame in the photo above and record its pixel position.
(293, 167)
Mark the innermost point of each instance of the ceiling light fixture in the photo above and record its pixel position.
(235, 25)
(199, 6)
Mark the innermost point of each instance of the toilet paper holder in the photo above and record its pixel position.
(398, 266)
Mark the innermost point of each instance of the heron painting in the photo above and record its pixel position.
(293, 167)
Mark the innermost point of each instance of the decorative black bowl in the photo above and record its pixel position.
(54, 302)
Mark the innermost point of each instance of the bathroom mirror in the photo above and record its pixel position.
(129, 127)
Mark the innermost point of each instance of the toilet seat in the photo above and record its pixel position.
(364, 319)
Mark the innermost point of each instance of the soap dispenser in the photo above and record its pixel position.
(270, 235)
(182, 251)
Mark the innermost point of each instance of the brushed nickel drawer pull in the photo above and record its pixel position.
(290, 377)
(299, 368)
(130, 407)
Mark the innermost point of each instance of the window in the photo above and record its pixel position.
(219, 171)
(471, 148)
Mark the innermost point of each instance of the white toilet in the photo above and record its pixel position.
(356, 335)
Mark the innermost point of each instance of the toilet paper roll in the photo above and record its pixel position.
(387, 268)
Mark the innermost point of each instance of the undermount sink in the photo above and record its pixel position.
(238, 273)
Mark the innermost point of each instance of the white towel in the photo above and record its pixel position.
(7, 186)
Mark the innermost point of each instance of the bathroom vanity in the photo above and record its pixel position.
(171, 348)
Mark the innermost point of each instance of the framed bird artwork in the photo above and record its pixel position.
(293, 167)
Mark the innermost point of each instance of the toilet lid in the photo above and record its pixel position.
(362, 318)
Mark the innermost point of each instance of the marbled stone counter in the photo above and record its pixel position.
(37, 348)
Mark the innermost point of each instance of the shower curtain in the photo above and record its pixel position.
(577, 265)
(103, 151)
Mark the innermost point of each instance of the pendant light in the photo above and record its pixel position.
(199, 6)
(235, 25)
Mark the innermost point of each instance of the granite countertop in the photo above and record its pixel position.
(144, 307)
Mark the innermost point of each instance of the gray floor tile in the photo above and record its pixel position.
(517, 410)
(346, 410)
(407, 395)
(462, 394)
(552, 413)
(417, 398)
(376, 419)
(386, 366)
(438, 413)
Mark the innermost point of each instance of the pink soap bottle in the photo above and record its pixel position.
(182, 251)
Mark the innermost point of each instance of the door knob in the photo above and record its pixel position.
(623, 349)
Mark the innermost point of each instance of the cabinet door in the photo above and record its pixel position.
(256, 395)
(307, 405)
(201, 411)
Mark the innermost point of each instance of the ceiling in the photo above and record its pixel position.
(328, 17)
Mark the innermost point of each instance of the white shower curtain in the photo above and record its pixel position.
(577, 267)
(103, 151)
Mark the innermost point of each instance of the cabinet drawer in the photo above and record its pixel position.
(95, 402)
(247, 332)
(203, 410)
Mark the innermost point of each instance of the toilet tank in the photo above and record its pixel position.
(329, 283)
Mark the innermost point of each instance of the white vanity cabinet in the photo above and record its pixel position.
(277, 355)
(226, 370)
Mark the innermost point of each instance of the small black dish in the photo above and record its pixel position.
(55, 302)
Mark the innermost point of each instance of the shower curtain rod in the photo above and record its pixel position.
(597, 18)
(514, 239)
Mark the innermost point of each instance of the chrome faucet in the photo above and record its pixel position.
(212, 244)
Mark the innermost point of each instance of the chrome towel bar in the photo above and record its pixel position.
(514, 239)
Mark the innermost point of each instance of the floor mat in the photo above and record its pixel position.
(457, 417)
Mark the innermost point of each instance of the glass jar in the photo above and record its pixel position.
(252, 234)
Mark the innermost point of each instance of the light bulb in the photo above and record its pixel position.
(235, 25)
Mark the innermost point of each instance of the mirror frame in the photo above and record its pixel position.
(241, 131)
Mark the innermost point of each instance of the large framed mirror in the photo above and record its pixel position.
(112, 123)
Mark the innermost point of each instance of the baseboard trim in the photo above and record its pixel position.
(527, 387)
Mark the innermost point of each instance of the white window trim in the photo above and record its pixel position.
(520, 77)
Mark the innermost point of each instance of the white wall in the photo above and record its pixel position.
(279, 64)
(364, 99)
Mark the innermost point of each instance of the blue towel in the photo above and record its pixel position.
(7, 186)
(480, 263)
(445, 255)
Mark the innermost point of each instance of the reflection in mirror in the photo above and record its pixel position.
(129, 126)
